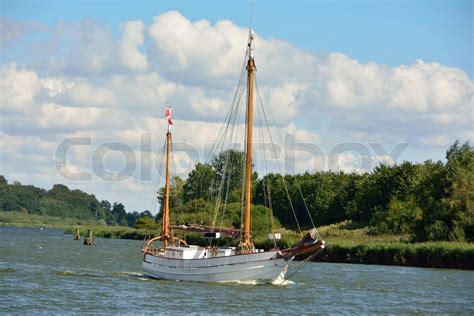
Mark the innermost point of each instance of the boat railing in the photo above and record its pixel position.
(149, 249)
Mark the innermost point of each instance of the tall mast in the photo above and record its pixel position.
(247, 242)
(165, 230)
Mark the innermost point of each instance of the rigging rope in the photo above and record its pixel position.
(236, 97)
(157, 182)
(284, 154)
(304, 202)
(301, 265)
(227, 173)
(275, 152)
(227, 132)
(281, 141)
(264, 184)
(173, 172)
(220, 141)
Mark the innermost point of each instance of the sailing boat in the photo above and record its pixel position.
(175, 259)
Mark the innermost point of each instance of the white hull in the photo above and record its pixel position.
(263, 267)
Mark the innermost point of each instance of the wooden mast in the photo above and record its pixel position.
(247, 242)
(165, 231)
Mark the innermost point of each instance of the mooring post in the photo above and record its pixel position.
(77, 235)
(89, 240)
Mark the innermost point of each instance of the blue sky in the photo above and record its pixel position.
(388, 32)
(338, 75)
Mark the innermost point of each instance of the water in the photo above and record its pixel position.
(45, 271)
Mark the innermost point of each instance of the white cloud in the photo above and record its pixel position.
(197, 48)
(419, 88)
(347, 84)
(132, 38)
(56, 116)
(302, 135)
(56, 86)
(199, 53)
(386, 160)
(426, 87)
(18, 87)
(283, 100)
(144, 91)
(83, 92)
(349, 162)
(406, 101)
(91, 49)
(205, 105)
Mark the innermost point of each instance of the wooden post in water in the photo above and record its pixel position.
(77, 235)
(89, 240)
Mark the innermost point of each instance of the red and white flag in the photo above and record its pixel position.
(168, 114)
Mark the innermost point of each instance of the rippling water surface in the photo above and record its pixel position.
(45, 271)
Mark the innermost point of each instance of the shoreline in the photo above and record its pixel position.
(422, 255)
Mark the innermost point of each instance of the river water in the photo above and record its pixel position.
(45, 271)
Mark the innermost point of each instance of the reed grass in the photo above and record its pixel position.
(23, 219)
(355, 245)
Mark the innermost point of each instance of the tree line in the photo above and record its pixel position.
(63, 202)
(427, 201)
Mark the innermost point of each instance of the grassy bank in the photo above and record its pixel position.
(348, 243)
(114, 232)
(428, 254)
(69, 225)
(23, 219)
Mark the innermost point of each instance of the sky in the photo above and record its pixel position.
(352, 84)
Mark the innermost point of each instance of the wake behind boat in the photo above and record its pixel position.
(174, 259)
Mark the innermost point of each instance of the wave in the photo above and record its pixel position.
(128, 273)
(77, 274)
(132, 275)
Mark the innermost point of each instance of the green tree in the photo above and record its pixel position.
(118, 210)
(199, 182)
(176, 194)
(382, 185)
(145, 222)
(429, 193)
(459, 190)
(280, 202)
(400, 218)
(228, 168)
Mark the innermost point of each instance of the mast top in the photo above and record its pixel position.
(251, 36)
